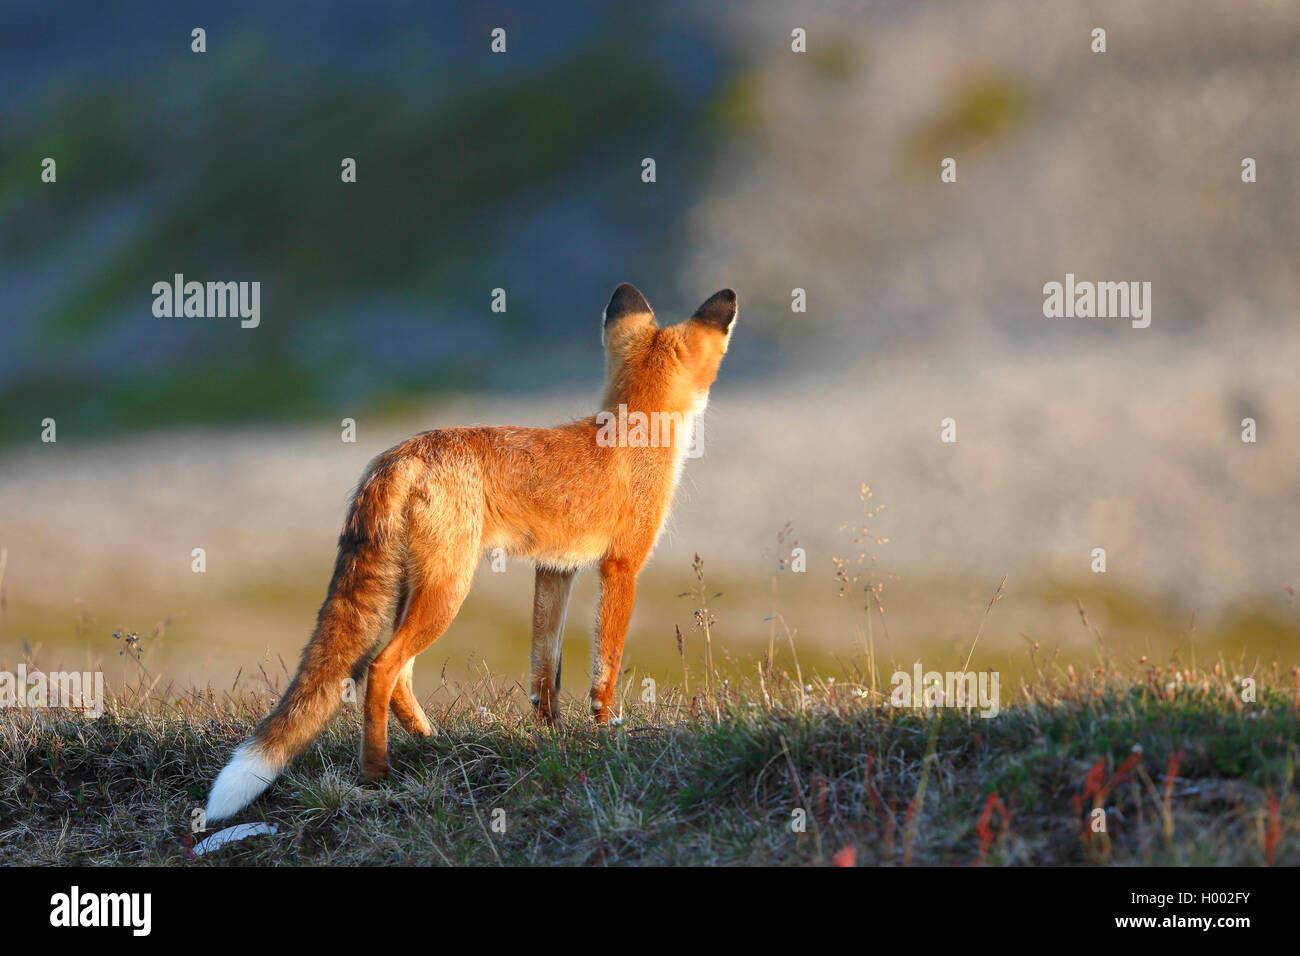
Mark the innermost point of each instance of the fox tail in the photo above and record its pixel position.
(366, 574)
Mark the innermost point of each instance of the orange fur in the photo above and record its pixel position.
(428, 508)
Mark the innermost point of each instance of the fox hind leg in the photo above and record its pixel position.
(431, 607)
(550, 604)
(405, 707)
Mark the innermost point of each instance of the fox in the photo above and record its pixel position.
(426, 510)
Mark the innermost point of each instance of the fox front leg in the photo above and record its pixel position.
(617, 594)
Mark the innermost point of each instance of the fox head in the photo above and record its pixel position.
(649, 368)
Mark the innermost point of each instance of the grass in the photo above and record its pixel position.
(1186, 760)
(1186, 772)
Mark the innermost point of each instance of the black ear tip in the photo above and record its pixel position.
(719, 309)
(626, 300)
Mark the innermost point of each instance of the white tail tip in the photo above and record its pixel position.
(240, 782)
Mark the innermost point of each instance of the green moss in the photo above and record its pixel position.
(982, 111)
(737, 107)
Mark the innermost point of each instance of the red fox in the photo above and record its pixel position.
(425, 511)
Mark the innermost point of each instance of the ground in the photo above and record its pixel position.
(772, 772)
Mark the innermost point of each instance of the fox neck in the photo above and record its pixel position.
(653, 421)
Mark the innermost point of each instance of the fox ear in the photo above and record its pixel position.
(718, 311)
(627, 300)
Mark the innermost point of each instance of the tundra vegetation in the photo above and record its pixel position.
(1129, 761)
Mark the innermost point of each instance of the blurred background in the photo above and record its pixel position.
(775, 171)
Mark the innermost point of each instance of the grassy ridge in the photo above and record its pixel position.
(1186, 772)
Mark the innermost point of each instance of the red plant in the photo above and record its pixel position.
(847, 856)
(1171, 773)
(1093, 786)
(984, 831)
(1097, 791)
(908, 832)
(1092, 782)
(1273, 834)
(1124, 770)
